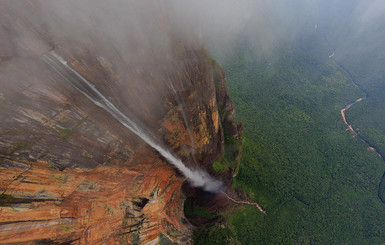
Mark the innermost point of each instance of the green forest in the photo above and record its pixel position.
(317, 182)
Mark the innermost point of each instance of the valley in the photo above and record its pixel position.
(299, 161)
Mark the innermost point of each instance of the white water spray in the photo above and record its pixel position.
(197, 177)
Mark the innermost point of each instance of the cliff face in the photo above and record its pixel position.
(69, 171)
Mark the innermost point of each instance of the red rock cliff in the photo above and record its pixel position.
(70, 172)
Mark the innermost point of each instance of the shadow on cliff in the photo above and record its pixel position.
(202, 207)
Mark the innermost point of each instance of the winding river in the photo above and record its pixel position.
(344, 117)
(371, 147)
(343, 111)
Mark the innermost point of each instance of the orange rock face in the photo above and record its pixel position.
(69, 171)
(103, 205)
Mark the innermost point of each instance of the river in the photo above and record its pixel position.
(343, 111)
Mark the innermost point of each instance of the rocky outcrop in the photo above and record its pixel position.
(70, 172)
(104, 205)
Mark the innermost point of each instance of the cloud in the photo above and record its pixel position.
(369, 15)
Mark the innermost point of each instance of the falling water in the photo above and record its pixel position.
(197, 177)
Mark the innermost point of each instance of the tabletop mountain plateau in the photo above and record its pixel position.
(70, 172)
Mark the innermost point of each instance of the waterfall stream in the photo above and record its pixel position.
(197, 177)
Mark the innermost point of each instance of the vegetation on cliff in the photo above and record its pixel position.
(70, 169)
(206, 215)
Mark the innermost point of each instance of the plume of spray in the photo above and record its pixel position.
(197, 177)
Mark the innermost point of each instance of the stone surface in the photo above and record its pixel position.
(70, 172)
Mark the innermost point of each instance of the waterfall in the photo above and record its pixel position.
(197, 177)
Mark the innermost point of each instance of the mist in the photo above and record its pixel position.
(139, 31)
(141, 35)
